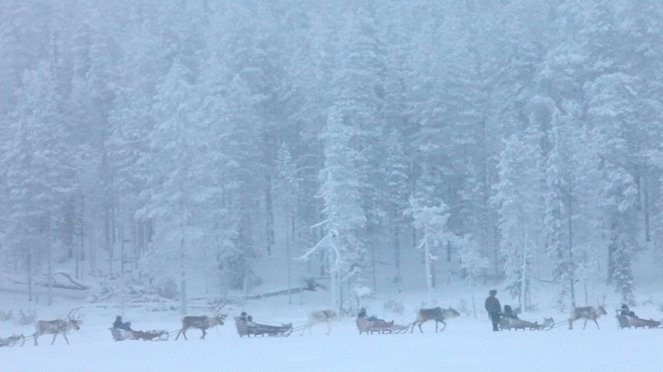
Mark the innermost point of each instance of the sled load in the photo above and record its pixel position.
(516, 324)
(373, 324)
(14, 340)
(123, 334)
(247, 327)
(626, 321)
(369, 326)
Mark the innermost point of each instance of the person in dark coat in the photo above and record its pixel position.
(493, 308)
(119, 324)
(626, 311)
(508, 312)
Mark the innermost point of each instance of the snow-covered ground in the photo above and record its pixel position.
(466, 345)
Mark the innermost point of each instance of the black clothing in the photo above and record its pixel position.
(508, 312)
(493, 304)
(375, 319)
(121, 325)
(495, 319)
(627, 312)
(494, 309)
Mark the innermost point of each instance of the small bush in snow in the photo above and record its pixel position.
(394, 306)
(464, 307)
(168, 289)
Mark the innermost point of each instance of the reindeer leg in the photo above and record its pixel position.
(178, 335)
(204, 333)
(436, 325)
(420, 329)
(444, 326)
(65, 338)
(328, 327)
(597, 324)
(54, 336)
(585, 324)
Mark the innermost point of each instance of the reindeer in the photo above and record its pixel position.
(58, 326)
(320, 316)
(438, 314)
(201, 322)
(587, 313)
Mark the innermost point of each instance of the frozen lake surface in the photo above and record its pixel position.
(466, 345)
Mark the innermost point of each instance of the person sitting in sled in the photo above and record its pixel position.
(119, 324)
(508, 313)
(625, 311)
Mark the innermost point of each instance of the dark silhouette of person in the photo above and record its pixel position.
(362, 313)
(119, 324)
(493, 308)
(625, 311)
(508, 312)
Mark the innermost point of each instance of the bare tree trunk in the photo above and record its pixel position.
(569, 222)
(395, 231)
(49, 257)
(429, 274)
(108, 245)
(373, 266)
(645, 204)
(122, 251)
(183, 220)
(290, 233)
(29, 267)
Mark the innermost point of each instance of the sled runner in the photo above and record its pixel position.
(516, 324)
(248, 328)
(364, 325)
(154, 335)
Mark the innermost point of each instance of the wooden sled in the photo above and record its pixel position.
(123, 334)
(635, 322)
(516, 324)
(364, 325)
(14, 340)
(245, 328)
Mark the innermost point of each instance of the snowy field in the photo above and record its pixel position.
(466, 345)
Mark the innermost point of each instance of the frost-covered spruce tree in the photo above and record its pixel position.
(285, 191)
(429, 217)
(611, 112)
(559, 209)
(356, 84)
(39, 175)
(472, 263)
(518, 197)
(174, 188)
(398, 191)
(343, 242)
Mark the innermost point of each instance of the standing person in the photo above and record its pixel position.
(493, 308)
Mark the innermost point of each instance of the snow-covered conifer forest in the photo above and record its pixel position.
(236, 148)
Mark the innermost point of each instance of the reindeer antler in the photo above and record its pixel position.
(218, 306)
(73, 313)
